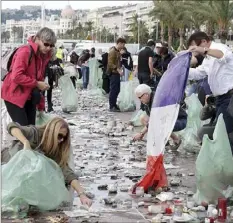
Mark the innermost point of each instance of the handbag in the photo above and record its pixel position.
(36, 93)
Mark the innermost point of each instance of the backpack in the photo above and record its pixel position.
(7, 61)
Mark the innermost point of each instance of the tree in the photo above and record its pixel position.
(143, 30)
(5, 36)
(89, 26)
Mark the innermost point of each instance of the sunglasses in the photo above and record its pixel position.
(141, 96)
(61, 137)
(49, 45)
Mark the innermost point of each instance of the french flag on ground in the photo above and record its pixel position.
(163, 116)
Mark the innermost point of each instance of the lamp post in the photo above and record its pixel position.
(157, 29)
(230, 32)
(138, 19)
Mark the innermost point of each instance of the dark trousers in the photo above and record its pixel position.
(115, 85)
(223, 106)
(49, 96)
(85, 76)
(144, 78)
(106, 82)
(180, 125)
(24, 116)
(73, 79)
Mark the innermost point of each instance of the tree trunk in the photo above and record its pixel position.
(223, 35)
(170, 36)
(162, 31)
(181, 33)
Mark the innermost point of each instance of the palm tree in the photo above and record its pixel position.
(219, 13)
(14, 31)
(144, 32)
(5, 36)
(89, 26)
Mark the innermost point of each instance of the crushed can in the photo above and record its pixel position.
(222, 209)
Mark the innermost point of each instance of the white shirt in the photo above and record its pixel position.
(219, 71)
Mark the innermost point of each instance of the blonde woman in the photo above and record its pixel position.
(53, 140)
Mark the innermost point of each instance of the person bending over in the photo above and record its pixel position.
(146, 96)
(53, 140)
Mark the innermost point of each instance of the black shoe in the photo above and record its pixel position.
(50, 109)
(114, 109)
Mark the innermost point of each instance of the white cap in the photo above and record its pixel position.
(158, 45)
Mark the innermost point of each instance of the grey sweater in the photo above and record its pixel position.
(34, 136)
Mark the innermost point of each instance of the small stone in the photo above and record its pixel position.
(114, 205)
(112, 189)
(131, 158)
(109, 201)
(124, 188)
(175, 183)
(190, 193)
(90, 195)
(191, 174)
(114, 177)
(103, 187)
(140, 204)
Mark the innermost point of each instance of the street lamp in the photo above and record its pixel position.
(157, 29)
(139, 19)
(230, 32)
(115, 30)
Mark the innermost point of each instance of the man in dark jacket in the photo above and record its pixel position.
(126, 63)
(146, 96)
(103, 64)
(114, 70)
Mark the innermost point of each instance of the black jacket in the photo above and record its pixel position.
(161, 63)
(124, 61)
(53, 74)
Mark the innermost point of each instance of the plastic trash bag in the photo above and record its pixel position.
(79, 83)
(214, 169)
(126, 97)
(69, 101)
(5, 120)
(30, 178)
(136, 120)
(189, 134)
(43, 118)
(95, 79)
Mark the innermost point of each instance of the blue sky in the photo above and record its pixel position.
(62, 4)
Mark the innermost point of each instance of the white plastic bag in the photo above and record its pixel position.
(30, 178)
(126, 97)
(69, 97)
(5, 120)
(189, 134)
(214, 169)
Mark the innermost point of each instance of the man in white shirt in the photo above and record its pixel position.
(218, 66)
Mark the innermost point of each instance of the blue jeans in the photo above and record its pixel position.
(125, 77)
(85, 76)
(222, 106)
(115, 85)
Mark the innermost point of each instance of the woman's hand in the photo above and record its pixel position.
(138, 137)
(85, 200)
(26, 145)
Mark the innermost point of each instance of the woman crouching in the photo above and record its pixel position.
(53, 140)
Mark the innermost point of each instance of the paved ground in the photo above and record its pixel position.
(88, 145)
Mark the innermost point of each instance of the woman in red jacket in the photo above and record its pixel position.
(23, 85)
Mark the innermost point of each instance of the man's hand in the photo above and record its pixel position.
(138, 137)
(197, 49)
(85, 200)
(42, 85)
(206, 97)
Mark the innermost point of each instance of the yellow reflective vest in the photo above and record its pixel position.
(59, 54)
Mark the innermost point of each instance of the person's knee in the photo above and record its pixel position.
(144, 120)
